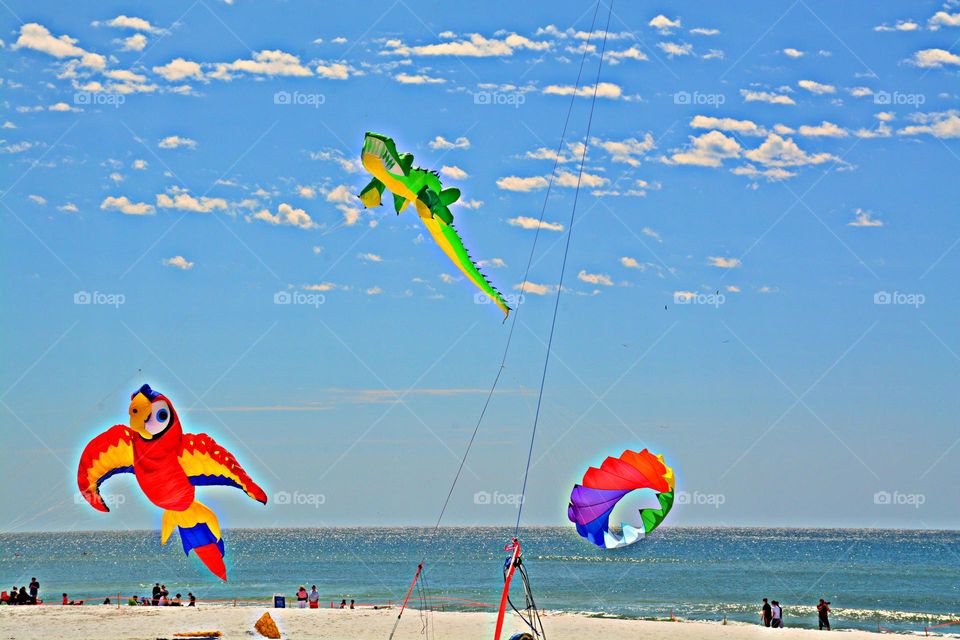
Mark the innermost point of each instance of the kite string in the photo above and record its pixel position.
(526, 273)
(563, 266)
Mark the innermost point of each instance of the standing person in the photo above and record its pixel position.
(314, 597)
(193, 599)
(351, 604)
(34, 590)
(343, 604)
(156, 594)
(776, 615)
(823, 613)
(766, 614)
(302, 597)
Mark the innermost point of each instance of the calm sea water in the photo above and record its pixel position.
(903, 580)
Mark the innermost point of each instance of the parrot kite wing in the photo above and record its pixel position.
(108, 454)
(396, 173)
(593, 501)
(207, 463)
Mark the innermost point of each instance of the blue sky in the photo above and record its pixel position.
(761, 284)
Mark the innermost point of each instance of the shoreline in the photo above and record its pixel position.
(56, 622)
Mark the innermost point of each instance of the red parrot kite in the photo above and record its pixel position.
(168, 465)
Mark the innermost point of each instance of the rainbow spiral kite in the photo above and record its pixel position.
(592, 502)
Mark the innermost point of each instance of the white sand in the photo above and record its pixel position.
(54, 622)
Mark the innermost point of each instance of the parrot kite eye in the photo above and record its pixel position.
(162, 415)
(159, 418)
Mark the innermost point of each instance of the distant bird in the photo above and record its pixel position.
(168, 465)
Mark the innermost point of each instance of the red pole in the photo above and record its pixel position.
(515, 546)
(404, 605)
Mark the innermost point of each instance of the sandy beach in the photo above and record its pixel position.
(147, 623)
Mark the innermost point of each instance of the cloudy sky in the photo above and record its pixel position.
(761, 283)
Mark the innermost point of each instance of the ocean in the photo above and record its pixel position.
(900, 580)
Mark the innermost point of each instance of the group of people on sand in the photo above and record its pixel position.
(160, 597)
(771, 614)
(312, 599)
(25, 595)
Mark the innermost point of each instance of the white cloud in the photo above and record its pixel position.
(944, 19)
(61, 106)
(475, 46)
(130, 22)
(864, 218)
(124, 205)
(454, 172)
(40, 200)
(492, 263)
(183, 201)
(569, 179)
(943, 124)
(595, 278)
(673, 49)
(442, 143)
(723, 263)
(342, 194)
(603, 89)
(68, 208)
(901, 25)
(268, 63)
(37, 37)
(178, 262)
(771, 174)
(663, 24)
(732, 288)
(116, 177)
(776, 151)
(632, 53)
(824, 129)
(526, 222)
(935, 58)
(370, 257)
(630, 263)
(179, 69)
(701, 31)
(860, 92)
(175, 142)
(516, 183)
(650, 233)
(286, 215)
(793, 53)
(626, 151)
(816, 87)
(765, 96)
(742, 127)
(534, 288)
(307, 192)
(420, 78)
(140, 164)
(136, 42)
(333, 71)
(374, 291)
(707, 150)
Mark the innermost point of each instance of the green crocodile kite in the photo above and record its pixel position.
(411, 184)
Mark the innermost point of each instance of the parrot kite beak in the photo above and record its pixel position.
(140, 408)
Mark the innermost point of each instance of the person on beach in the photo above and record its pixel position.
(314, 597)
(766, 614)
(156, 594)
(823, 613)
(343, 604)
(776, 615)
(164, 594)
(176, 601)
(193, 600)
(34, 590)
(351, 604)
(23, 597)
(302, 597)
(12, 596)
